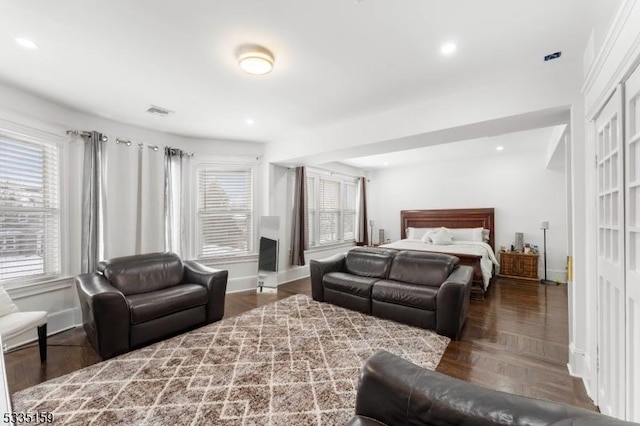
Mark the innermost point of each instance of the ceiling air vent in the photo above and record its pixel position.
(552, 56)
(156, 110)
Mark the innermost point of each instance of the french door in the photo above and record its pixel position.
(611, 258)
(632, 237)
(618, 245)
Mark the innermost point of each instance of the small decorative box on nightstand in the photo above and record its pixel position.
(523, 266)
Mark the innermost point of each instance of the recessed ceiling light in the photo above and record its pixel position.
(255, 59)
(26, 43)
(499, 148)
(250, 121)
(448, 48)
(385, 163)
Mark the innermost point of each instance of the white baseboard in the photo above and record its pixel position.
(293, 274)
(555, 275)
(580, 366)
(249, 282)
(576, 361)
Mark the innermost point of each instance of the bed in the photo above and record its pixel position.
(479, 255)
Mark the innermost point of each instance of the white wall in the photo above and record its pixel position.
(31, 112)
(518, 186)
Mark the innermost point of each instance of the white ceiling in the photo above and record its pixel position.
(512, 143)
(335, 59)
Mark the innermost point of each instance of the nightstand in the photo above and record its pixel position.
(522, 266)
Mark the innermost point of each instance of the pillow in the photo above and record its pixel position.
(6, 304)
(441, 237)
(466, 234)
(418, 233)
(485, 235)
(426, 238)
(477, 234)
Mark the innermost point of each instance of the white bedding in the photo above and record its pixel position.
(462, 247)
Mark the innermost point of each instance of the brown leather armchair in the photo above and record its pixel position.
(135, 300)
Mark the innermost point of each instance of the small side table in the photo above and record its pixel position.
(522, 266)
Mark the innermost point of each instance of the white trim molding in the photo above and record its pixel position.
(616, 59)
(607, 46)
(292, 274)
(576, 360)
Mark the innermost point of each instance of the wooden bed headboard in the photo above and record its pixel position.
(449, 218)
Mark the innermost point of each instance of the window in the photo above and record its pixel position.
(225, 213)
(29, 210)
(331, 209)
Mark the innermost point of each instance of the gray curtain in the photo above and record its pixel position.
(299, 236)
(174, 216)
(362, 236)
(93, 204)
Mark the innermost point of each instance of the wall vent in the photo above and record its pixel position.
(156, 110)
(552, 56)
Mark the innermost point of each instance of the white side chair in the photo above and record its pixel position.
(14, 323)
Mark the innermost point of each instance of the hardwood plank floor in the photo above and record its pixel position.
(516, 341)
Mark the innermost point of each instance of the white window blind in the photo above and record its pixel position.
(29, 210)
(225, 212)
(329, 206)
(331, 203)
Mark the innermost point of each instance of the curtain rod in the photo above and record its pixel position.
(119, 141)
(140, 144)
(74, 132)
(184, 153)
(333, 173)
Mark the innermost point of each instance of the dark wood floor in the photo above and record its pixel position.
(515, 341)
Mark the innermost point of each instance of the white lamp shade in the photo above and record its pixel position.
(544, 225)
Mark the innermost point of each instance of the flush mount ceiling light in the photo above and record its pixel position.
(499, 148)
(249, 121)
(26, 43)
(255, 59)
(448, 48)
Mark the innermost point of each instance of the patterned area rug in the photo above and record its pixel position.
(293, 362)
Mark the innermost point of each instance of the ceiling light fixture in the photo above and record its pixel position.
(499, 148)
(26, 43)
(448, 48)
(255, 59)
(250, 121)
(385, 163)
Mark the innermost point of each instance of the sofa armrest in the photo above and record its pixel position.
(105, 314)
(318, 269)
(396, 392)
(215, 280)
(385, 388)
(452, 302)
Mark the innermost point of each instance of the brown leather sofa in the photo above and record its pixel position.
(427, 290)
(393, 391)
(135, 300)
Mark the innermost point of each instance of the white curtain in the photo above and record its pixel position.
(174, 201)
(135, 200)
(93, 202)
(150, 199)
